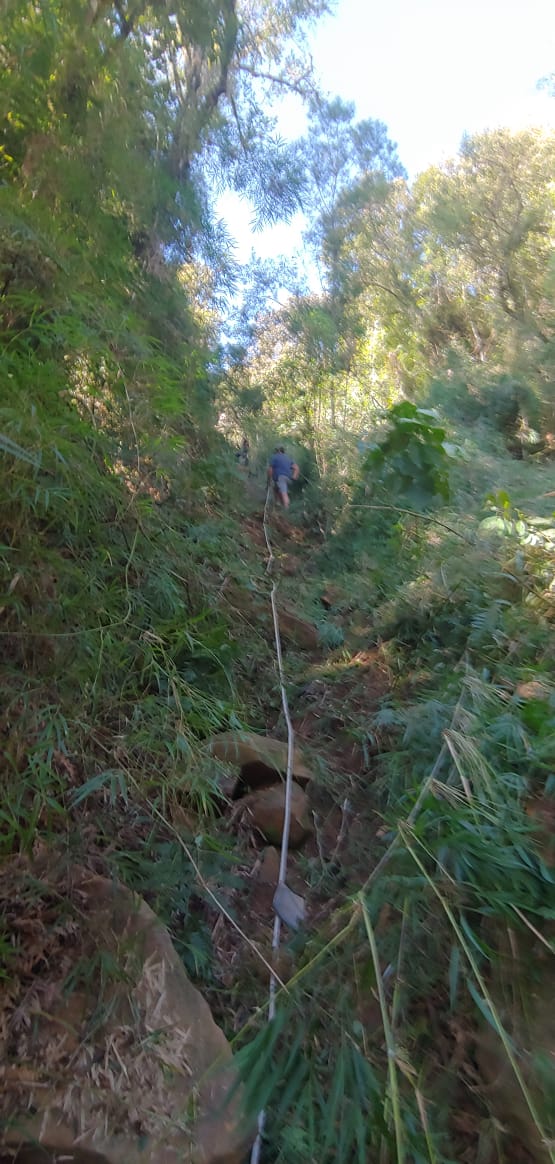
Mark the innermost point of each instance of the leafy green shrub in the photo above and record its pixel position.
(413, 457)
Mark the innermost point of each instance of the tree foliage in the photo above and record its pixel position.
(441, 289)
(412, 459)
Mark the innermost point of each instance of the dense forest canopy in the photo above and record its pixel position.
(451, 278)
(146, 379)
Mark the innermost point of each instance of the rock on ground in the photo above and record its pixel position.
(260, 759)
(296, 630)
(128, 1066)
(266, 810)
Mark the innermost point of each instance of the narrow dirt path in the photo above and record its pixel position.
(332, 695)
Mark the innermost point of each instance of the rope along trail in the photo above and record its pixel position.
(255, 1154)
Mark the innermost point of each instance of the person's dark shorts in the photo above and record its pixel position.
(282, 483)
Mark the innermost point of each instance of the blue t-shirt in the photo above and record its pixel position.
(281, 466)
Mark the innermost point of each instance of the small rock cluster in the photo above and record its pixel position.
(260, 765)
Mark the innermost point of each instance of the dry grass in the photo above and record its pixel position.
(86, 1034)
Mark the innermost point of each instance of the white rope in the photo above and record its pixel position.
(270, 561)
(257, 1146)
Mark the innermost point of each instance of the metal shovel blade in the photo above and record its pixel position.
(289, 906)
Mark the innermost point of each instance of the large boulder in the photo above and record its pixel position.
(128, 1067)
(260, 760)
(296, 630)
(266, 809)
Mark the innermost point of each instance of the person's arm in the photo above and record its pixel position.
(269, 473)
(294, 470)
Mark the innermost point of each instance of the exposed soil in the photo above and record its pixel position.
(333, 695)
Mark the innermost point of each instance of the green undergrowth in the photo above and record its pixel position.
(424, 989)
(131, 632)
(134, 598)
(118, 658)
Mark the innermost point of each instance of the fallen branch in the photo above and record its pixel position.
(421, 516)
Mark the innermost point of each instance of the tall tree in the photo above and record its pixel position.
(450, 281)
(337, 154)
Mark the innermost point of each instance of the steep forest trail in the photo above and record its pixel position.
(198, 840)
(332, 693)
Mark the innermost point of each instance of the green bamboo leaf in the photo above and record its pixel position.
(486, 1011)
(112, 778)
(295, 1081)
(454, 975)
(334, 1111)
(7, 445)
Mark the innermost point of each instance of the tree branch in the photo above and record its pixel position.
(262, 75)
(422, 516)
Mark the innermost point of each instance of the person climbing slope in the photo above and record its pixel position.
(281, 470)
(242, 454)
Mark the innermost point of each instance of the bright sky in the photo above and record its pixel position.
(431, 70)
